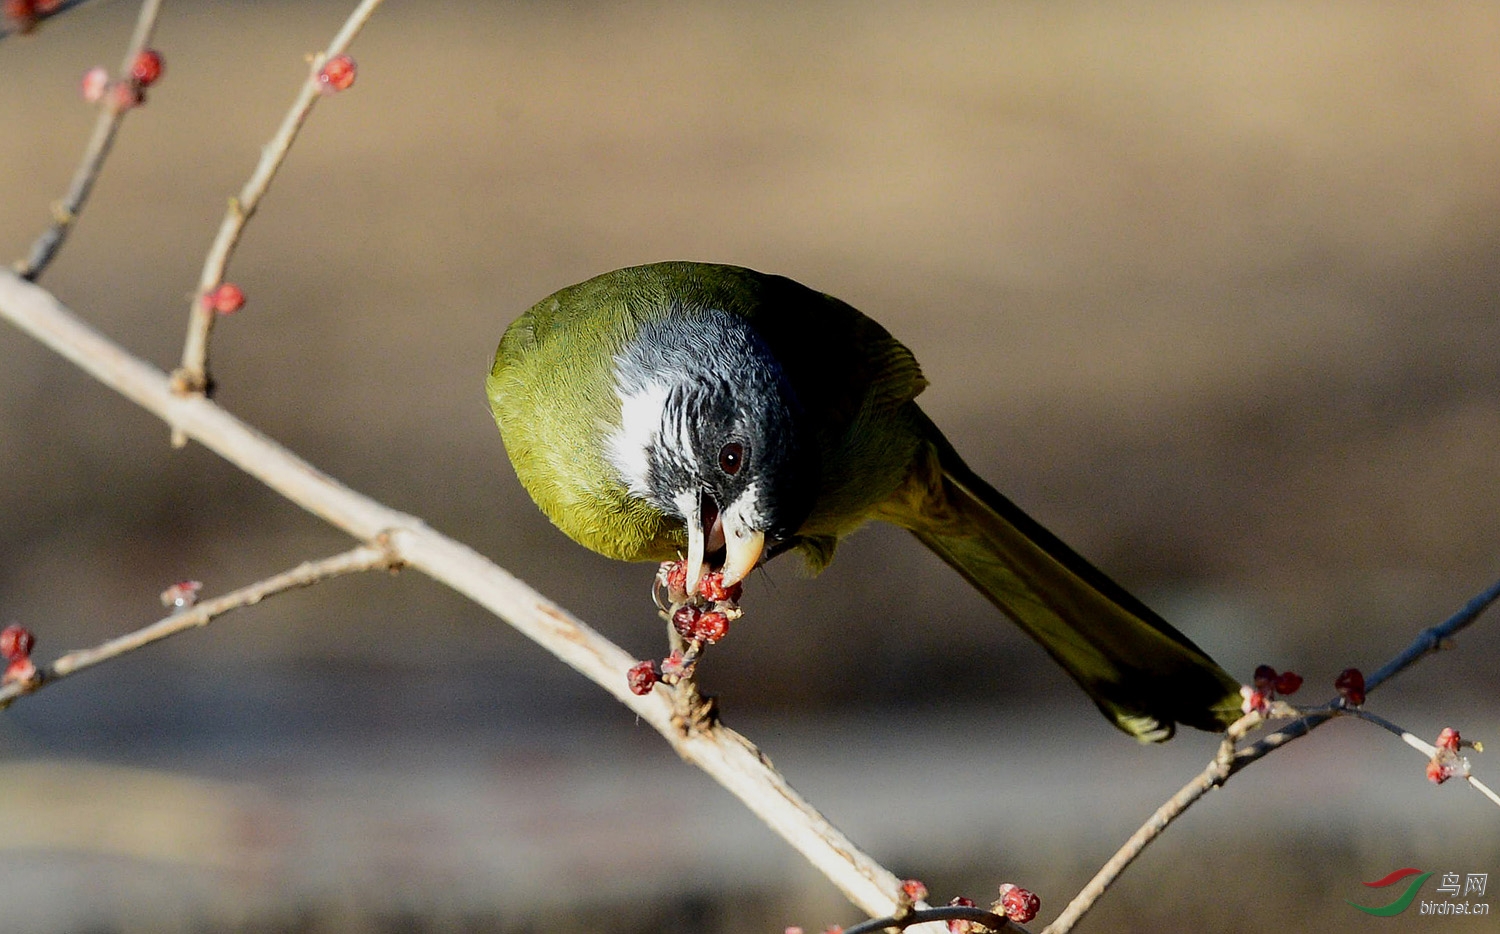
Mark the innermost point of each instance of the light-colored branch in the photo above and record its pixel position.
(1231, 760)
(65, 212)
(192, 375)
(362, 558)
(725, 755)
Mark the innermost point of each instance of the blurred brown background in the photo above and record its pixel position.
(1209, 289)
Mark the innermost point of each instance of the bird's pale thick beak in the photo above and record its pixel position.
(708, 530)
(742, 550)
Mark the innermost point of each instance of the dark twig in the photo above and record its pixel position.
(935, 915)
(1231, 760)
(363, 558)
(65, 212)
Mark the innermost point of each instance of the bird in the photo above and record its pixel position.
(722, 416)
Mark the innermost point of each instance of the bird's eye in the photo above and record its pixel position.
(731, 457)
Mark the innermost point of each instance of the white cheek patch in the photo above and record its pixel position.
(741, 517)
(629, 445)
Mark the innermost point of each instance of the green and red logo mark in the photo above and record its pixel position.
(1401, 903)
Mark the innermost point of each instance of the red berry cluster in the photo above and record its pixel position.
(129, 91)
(95, 83)
(700, 618)
(181, 594)
(913, 891)
(713, 590)
(1446, 762)
(695, 624)
(337, 74)
(1351, 686)
(147, 67)
(676, 665)
(16, 643)
(226, 298)
(1267, 684)
(25, 14)
(642, 677)
(962, 927)
(1017, 904)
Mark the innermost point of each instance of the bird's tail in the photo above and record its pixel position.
(1141, 672)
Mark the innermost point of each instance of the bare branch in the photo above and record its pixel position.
(192, 375)
(65, 212)
(1229, 761)
(363, 558)
(725, 755)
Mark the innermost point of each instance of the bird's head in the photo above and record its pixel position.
(712, 433)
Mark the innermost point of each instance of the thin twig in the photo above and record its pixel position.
(1426, 642)
(1231, 760)
(1421, 745)
(192, 375)
(65, 212)
(362, 558)
(729, 758)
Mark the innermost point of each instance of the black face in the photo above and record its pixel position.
(731, 424)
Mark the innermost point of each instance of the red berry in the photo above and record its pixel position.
(1288, 682)
(95, 83)
(1449, 739)
(641, 677)
(1265, 677)
(226, 299)
(1255, 700)
(146, 68)
(711, 627)
(1351, 686)
(337, 74)
(961, 927)
(23, 13)
(676, 665)
(16, 642)
(676, 576)
(712, 588)
(914, 890)
(19, 669)
(181, 594)
(123, 95)
(1017, 904)
(1438, 771)
(685, 621)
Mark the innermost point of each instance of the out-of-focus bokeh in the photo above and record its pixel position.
(1209, 289)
